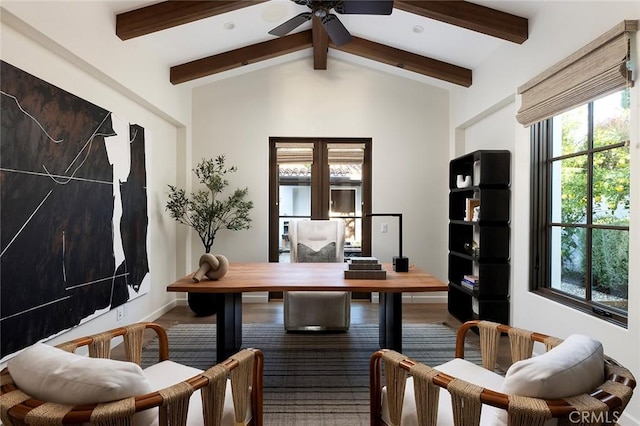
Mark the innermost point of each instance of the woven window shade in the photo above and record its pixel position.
(302, 153)
(346, 153)
(295, 153)
(597, 69)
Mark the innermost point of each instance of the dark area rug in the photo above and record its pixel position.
(312, 378)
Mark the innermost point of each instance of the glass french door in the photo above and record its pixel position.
(312, 178)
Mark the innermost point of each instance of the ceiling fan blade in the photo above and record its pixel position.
(336, 30)
(290, 25)
(365, 7)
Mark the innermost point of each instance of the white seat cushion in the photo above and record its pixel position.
(461, 369)
(168, 373)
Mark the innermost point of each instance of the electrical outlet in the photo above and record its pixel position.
(119, 313)
(384, 228)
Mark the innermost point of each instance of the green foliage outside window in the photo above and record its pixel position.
(610, 199)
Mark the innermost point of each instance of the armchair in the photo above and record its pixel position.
(572, 383)
(317, 241)
(53, 385)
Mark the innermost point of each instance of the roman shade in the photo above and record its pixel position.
(597, 69)
(294, 152)
(302, 152)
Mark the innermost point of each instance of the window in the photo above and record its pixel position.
(580, 207)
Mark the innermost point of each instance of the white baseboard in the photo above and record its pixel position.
(162, 310)
(258, 297)
(435, 297)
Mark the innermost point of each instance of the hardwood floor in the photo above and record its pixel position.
(362, 312)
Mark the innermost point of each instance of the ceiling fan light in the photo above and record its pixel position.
(320, 12)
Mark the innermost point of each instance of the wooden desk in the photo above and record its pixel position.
(248, 277)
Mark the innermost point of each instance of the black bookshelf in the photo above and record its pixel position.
(488, 188)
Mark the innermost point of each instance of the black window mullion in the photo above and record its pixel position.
(589, 218)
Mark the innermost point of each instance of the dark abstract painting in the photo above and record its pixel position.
(73, 210)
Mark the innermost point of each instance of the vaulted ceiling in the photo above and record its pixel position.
(207, 30)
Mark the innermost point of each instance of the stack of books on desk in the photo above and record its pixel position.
(364, 268)
(470, 282)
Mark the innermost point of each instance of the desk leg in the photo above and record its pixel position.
(228, 325)
(390, 321)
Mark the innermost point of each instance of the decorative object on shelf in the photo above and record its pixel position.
(463, 181)
(364, 268)
(472, 248)
(207, 213)
(212, 266)
(471, 205)
(476, 214)
(400, 263)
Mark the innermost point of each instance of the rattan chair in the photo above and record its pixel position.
(469, 403)
(242, 373)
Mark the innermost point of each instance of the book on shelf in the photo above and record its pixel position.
(471, 278)
(468, 285)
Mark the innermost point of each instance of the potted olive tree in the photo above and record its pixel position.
(207, 211)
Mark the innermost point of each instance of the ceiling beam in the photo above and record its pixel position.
(320, 44)
(407, 60)
(168, 14)
(470, 16)
(302, 40)
(239, 57)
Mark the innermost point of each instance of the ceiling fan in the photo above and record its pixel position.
(335, 29)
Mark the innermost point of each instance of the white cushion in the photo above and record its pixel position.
(326, 253)
(461, 369)
(168, 373)
(574, 367)
(51, 374)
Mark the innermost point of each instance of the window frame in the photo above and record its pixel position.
(542, 161)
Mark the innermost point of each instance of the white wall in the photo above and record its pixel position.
(486, 112)
(406, 120)
(87, 73)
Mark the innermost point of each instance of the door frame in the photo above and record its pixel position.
(320, 196)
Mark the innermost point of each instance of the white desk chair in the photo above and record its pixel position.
(317, 241)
